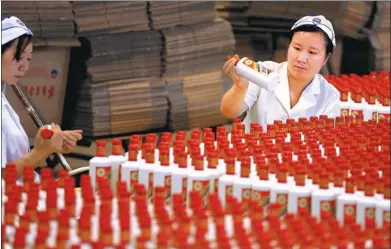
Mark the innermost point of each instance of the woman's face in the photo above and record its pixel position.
(306, 55)
(12, 70)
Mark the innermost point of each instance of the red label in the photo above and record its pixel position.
(349, 212)
(282, 200)
(261, 197)
(370, 214)
(246, 197)
(386, 218)
(344, 112)
(385, 116)
(150, 185)
(216, 185)
(327, 206)
(133, 180)
(303, 203)
(167, 187)
(374, 116)
(103, 172)
(228, 191)
(202, 186)
(251, 64)
(184, 188)
(356, 113)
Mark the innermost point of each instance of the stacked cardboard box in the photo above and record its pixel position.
(110, 17)
(195, 100)
(379, 36)
(120, 106)
(192, 49)
(51, 22)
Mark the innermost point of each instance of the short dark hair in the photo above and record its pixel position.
(23, 41)
(313, 28)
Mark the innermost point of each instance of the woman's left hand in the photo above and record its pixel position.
(70, 138)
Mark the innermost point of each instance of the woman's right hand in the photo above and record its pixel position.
(47, 146)
(230, 71)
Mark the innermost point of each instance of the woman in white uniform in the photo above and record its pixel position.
(300, 91)
(16, 53)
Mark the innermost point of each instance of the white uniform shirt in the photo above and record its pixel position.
(318, 98)
(15, 142)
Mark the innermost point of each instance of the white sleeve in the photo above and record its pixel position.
(332, 108)
(3, 151)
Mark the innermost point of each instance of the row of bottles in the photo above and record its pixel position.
(102, 220)
(367, 96)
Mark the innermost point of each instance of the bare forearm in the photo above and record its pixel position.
(233, 101)
(33, 158)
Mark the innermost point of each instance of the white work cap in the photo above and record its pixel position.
(320, 22)
(12, 28)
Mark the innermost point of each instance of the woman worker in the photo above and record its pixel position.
(16, 54)
(299, 90)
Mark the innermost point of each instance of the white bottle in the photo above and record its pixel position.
(357, 107)
(347, 204)
(100, 165)
(279, 191)
(242, 185)
(179, 176)
(146, 170)
(383, 207)
(323, 200)
(226, 181)
(255, 73)
(129, 170)
(260, 193)
(213, 171)
(384, 108)
(199, 179)
(366, 206)
(371, 109)
(344, 103)
(162, 173)
(117, 159)
(299, 196)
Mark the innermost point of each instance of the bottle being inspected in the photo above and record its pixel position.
(253, 72)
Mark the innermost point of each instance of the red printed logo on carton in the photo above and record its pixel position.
(246, 197)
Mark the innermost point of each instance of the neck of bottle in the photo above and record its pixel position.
(150, 157)
(101, 151)
(132, 155)
(324, 182)
(245, 171)
(264, 174)
(300, 179)
(212, 162)
(230, 164)
(387, 193)
(164, 159)
(282, 176)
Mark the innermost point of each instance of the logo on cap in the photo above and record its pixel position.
(20, 22)
(316, 20)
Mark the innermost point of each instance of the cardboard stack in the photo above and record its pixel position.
(51, 22)
(195, 100)
(110, 17)
(121, 106)
(379, 36)
(173, 13)
(351, 17)
(192, 49)
(125, 55)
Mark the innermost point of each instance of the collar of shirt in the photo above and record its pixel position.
(307, 98)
